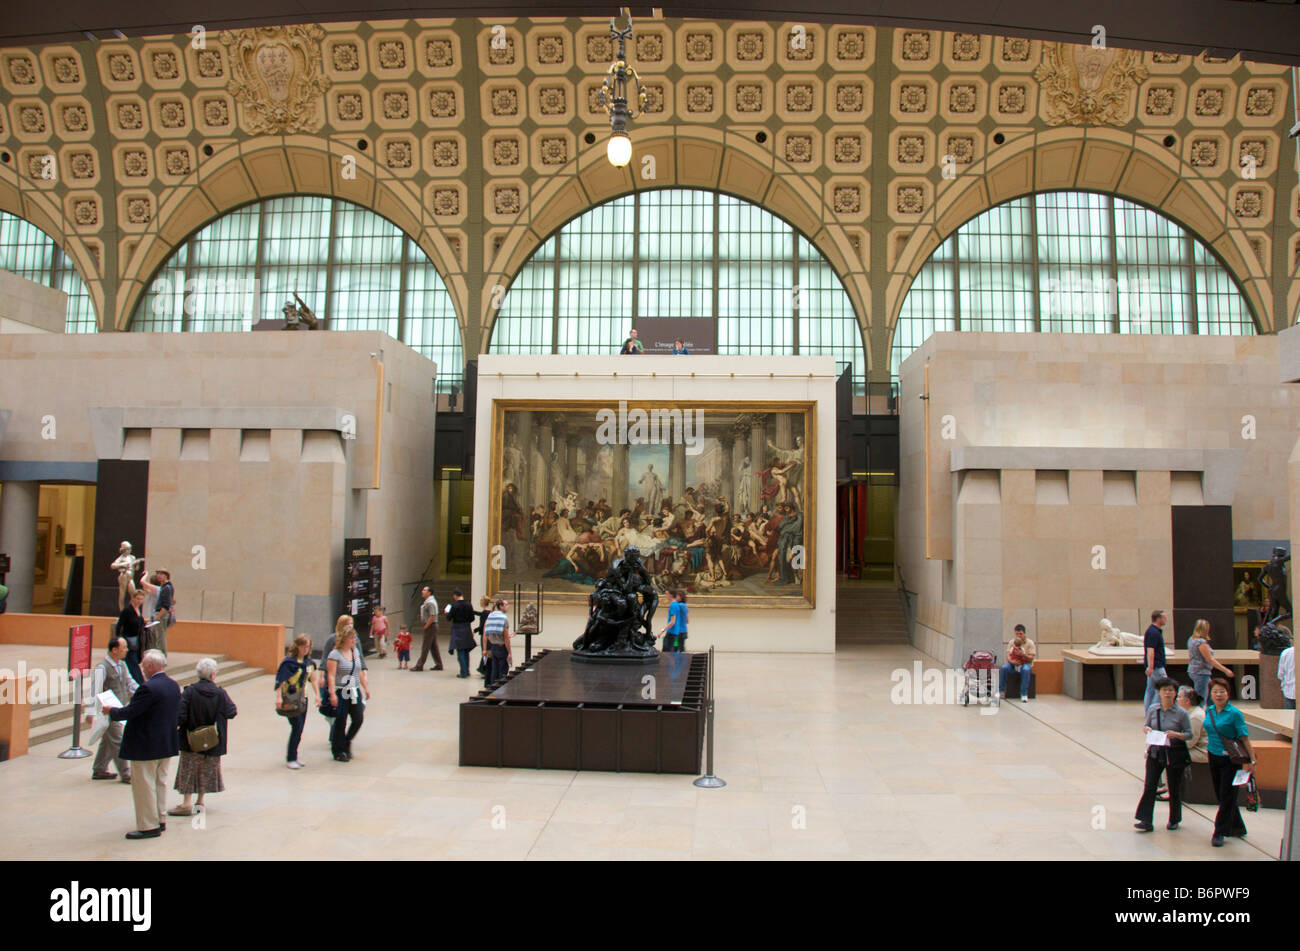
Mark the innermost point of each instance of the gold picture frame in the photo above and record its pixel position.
(1245, 576)
(581, 416)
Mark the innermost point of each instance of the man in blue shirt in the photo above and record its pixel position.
(675, 633)
(1153, 649)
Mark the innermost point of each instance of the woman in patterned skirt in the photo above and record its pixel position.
(202, 703)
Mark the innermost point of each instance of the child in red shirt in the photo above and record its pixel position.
(402, 644)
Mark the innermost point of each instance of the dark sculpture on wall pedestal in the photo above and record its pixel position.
(619, 628)
(1275, 583)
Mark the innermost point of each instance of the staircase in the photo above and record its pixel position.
(867, 613)
(51, 721)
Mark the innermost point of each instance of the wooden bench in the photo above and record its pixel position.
(1093, 677)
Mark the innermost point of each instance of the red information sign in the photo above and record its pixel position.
(79, 650)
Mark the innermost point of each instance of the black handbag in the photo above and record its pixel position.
(1232, 746)
(1175, 755)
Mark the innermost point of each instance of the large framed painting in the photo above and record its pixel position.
(718, 497)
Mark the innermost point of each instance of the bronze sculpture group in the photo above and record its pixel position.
(619, 627)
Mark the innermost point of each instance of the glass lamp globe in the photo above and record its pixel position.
(619, 149)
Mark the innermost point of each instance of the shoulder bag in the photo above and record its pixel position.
(203, 738)
(1176, 753)
(294, 702)
(1232, 746)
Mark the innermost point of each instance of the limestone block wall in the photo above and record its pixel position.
(262, 449)
(29, 307)
(1087, 442)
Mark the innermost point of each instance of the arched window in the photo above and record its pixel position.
(354, 269)
(29, 252)
(680, 253)
(1070, 262)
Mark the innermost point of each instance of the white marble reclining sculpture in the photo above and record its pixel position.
(1116, 643)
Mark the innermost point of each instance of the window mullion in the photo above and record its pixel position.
(1112, 251)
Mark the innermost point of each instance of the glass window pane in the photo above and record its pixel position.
(1078, 262)
(680, 253)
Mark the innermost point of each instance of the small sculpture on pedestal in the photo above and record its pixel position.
(528, 620)
(126, 565)
(1114, 641)
(619, 629)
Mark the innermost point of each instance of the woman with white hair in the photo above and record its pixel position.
(204, 710)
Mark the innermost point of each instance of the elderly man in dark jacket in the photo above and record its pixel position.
(149, 742)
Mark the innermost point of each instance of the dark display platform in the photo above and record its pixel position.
(551, 713)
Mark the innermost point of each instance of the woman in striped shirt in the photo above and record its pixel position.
(350, 688)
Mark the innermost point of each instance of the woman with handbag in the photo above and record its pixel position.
(1169, 757)
(293, 681)
(1230, 750)
(349, 689)
(202, 717)
(131, 628)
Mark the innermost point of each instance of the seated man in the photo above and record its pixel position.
(1020, 656)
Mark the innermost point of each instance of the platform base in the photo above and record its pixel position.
(552, 713)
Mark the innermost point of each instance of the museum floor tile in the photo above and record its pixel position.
(819, 764)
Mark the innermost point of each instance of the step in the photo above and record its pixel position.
(56, 721)
(43, 713)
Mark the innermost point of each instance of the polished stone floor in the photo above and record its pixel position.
(819, 764)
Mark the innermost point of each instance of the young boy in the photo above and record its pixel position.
(402, 644)
(379, 631)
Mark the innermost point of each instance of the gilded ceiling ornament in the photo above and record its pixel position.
(275, 74)
(1088, 86)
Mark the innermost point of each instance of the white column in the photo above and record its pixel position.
(18, 509)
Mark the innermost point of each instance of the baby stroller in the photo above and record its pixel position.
(981, 668)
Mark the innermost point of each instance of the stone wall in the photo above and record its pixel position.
(261, 449)
(1048, 451)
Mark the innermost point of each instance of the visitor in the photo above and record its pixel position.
(461, 614)
(632, 345)
(203, 704)
(149, 585)
(1224, 721)
(379, 632)
(131, 627)
(1193, 703)
(484, 656)
(1169, 757)
(327, 709)
(429, 619)
(164, 610)
(679, 347)
(149, 742)
(1201, 663)
(349, 688)
(1153, 647)
(402, 644)
(297, 672)
(1020, 657)
(675, 632)
(1286, 674)
(111, 675)
(4, 598)
(496, 631)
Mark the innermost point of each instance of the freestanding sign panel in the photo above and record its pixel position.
(79, 650)
(79, 636)
(359, 592)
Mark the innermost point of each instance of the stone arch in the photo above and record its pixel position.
(40, 207)
(705, 159)
(273, 167)
(1117, 163)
